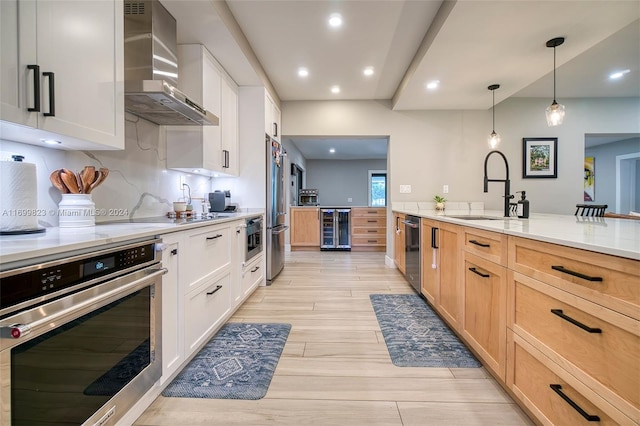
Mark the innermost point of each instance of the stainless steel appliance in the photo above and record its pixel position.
(80, 337)
(308, 197)
(151, 68)
(276, 209)
(412, 251)
(254, 238)
(335, 229)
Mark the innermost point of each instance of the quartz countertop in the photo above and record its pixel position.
(21, 250)
(618, 237)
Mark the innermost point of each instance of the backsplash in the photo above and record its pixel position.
(139, 185)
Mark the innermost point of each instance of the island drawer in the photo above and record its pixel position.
(369, 221)
(368, 212)
(491, 246)
(539, 383)
(598, 346)
(368, 240)
(604, 279)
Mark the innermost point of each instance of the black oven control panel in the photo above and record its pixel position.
(35, 281)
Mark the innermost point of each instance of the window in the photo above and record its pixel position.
(377, 188)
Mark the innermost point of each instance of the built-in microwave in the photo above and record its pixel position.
(254, 238)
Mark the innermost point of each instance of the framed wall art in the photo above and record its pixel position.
(539, 158)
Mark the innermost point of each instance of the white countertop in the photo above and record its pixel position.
(20, 250)
(618, 237)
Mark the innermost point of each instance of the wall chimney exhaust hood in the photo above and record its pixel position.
(151, 68)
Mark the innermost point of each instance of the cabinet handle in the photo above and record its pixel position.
(275, 129)
(372, 241)
(371, 221)
(559, 313)
(52, 94)
(255, 269)
(370, 212)
(36, 88)
(475, 271)
(372, 230)
(218, 287)
(575, 274)
(214, 237)
(479, 243)
(434, 238)
(174, 252)
(589, 417)
(225, 158)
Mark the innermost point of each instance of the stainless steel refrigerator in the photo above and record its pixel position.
(334, 231)
(276, 208)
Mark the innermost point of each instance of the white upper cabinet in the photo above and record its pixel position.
(271, 118)
(206, 150)
(62, 72)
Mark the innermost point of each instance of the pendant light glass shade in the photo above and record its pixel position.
(494, 138)
(555, 111)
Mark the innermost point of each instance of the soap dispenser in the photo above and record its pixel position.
(522, 209)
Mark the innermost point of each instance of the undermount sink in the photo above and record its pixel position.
(472, 217)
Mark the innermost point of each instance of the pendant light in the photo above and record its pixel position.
(494, 138)
(555, 111)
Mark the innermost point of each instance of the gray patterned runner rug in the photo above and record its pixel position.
(416, 336)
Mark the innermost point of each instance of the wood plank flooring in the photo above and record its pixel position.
(335, 368)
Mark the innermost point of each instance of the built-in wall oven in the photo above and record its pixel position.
(80, 337)
(254, 238)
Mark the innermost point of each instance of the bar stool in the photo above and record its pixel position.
(590, 209)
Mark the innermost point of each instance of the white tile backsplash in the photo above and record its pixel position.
(139, 185)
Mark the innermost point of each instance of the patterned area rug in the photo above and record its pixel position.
(237, 363)
(416, 336)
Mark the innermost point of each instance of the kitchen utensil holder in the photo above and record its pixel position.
(76, 210)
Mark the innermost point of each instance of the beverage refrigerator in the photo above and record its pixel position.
(335, 229)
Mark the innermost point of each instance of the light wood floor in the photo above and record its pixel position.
(335, 368)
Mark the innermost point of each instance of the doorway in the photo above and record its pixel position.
(297, 183)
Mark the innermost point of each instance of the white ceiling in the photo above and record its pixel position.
(365, 148)
(466, 44)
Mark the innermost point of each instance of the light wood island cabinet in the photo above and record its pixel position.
(305, 228)
(450, 264)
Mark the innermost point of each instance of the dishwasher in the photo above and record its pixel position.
(412, 251)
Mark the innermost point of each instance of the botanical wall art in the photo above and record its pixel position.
(589, 179)
(539, 157)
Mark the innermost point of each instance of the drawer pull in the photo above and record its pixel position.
(218, 287)
(479, 243)
(475, 271)
(174, 252)
(372, 230)
(559, 313)
(589, 417)
(214, 237)
(255, 269)
(371, 221)
(576, 274)
(372, 241)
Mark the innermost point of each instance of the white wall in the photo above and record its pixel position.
(339, 180)
(428, 149)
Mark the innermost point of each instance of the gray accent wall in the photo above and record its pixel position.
(605, 171)
(339, 180)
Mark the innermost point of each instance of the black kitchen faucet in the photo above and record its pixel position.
(506, 181)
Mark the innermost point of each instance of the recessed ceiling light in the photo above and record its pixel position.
(433, 85)
(303, 72)
(332, 150)
(51, 141)
(618, 74)
(335, 20)
(368, 71)
(335, 89)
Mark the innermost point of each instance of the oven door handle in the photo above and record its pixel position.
(16, 331)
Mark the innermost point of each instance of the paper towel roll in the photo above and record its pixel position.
(19, 197)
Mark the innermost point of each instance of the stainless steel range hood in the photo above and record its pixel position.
(151, 68)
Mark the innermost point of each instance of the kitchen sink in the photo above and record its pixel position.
(472, 217)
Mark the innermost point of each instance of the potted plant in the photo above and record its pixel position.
(439, 202)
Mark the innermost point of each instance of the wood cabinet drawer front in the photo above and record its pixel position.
(207, 251)
(204, 309)
(368, 212)
(616, 279)
(532, 380)
(369, 221)
(601, 343)
(489, 245)
(368, 241)
(369, 232)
